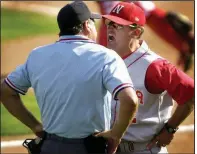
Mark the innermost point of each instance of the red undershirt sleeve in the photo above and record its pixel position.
(162, 75)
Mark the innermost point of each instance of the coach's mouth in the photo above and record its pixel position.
(111, 38)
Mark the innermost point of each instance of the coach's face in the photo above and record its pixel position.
(118, 36)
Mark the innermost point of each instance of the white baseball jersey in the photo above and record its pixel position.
(72, 80)
(154, 109)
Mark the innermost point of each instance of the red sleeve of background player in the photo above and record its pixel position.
(161, 76)
(102, 35)
(159, 24)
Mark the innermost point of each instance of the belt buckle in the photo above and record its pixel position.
(127, 146)
(131, 145)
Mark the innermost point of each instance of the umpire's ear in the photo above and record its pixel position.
(87, 29)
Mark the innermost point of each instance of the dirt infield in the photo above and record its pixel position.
(15, 52)
(183, 143)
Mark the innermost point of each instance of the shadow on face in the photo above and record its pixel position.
(119, 36)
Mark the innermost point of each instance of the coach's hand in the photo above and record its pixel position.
(113, 141)
(162, 139)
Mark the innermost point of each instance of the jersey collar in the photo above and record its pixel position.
(74, 38)
(133, 57)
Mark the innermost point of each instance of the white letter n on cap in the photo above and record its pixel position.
(117, 9)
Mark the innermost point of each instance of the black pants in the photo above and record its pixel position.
(54, 144)
(58, 145)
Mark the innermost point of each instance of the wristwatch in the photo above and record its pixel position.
(170, 129)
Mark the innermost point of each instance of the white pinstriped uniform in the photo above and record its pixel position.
(153, 109)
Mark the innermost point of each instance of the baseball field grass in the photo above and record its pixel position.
(18, 24)
(10, 125)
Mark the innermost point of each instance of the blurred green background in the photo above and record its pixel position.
(10, 125)
(21, 24)
(18, 24)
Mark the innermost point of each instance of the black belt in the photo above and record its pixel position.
(92, 144)
(64, 139)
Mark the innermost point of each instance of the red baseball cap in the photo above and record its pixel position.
(127, 13)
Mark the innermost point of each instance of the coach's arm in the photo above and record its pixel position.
(181, 88)
(181, 113)
(128, 107)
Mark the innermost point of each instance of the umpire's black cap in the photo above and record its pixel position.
(74, 14)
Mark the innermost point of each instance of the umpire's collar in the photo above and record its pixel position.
(74, 38)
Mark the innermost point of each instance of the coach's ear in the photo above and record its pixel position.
(136, 33)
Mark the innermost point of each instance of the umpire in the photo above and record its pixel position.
(72, 79)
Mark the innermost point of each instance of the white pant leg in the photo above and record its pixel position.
(154, 150)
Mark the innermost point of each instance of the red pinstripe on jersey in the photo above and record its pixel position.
(136, 59)
(77, 39)
(72, 39)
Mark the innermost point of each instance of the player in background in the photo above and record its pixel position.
(173, 27)
(157, 82)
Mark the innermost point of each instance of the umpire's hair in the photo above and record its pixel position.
(75, 30)
(71, 31)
